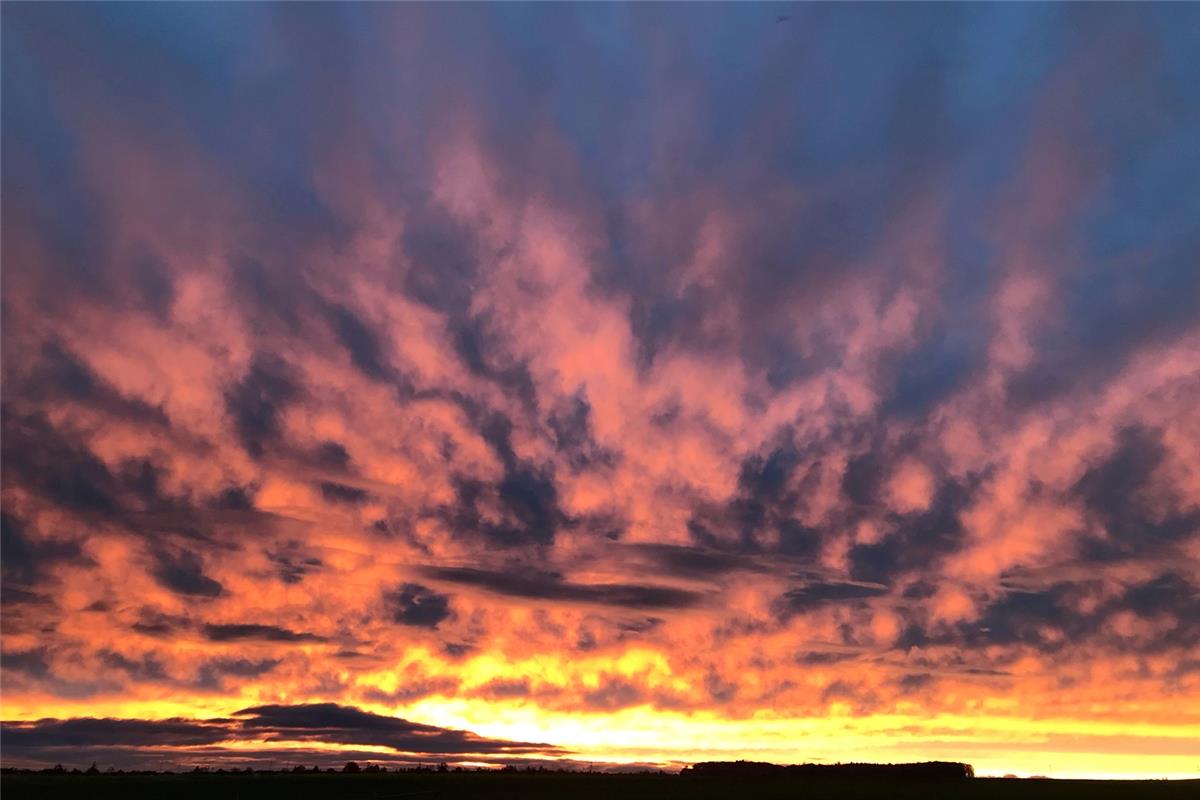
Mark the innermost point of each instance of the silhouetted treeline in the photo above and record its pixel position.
(350, 768)
(929, 770)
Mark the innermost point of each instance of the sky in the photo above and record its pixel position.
(601, 385)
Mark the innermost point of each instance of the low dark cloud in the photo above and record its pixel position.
(325, 723)
(87, 732)
(328, 722)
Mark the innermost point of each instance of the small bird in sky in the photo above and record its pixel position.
(781, 19)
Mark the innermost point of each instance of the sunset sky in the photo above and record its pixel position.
(613, 384)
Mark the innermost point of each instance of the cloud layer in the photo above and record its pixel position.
(631, 379)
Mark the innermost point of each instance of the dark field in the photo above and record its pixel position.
(574, 787)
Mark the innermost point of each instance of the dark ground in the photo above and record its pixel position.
(573, 787)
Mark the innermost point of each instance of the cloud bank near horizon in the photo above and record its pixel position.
(577, 374)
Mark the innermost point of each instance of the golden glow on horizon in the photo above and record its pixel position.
(994, 745)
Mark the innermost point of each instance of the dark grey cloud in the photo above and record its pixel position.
(444, 260)
(914, 682)
(766, 507)
(613, 694)
(1112, 491)
(44, 460)
(256, 400)
(60, 374)
(341, 493)
(51, 739)
(155, 623)
(328, 722)
(1108, 318)
(361, 342)
(183, 573)
(505, 689)
(824, 657)
(571, 426)
(235, 498)
(35, 662)
(1172, 597)
(539, 585)
(819, 593)
(931, 372)
(917, 540)
(1064, 616)
(143, 669)
(24, 560)
(417, 605)
(214, 673)
(292, 563)
(55, 464)
(88, 732)
(332, 456)
(527, 493)
(696, 562)
(238, 632)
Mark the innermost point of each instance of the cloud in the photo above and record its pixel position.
(45, 460)
(178, 738)
(24, 560)
(340, 493)
(551, 586)
(254, 632)
(597, 366)
(183, 573)
(356, 337)
(414, 604)
(256, 401)
(697, 562)
(812, 595)
(328, 722)
(84, 732)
